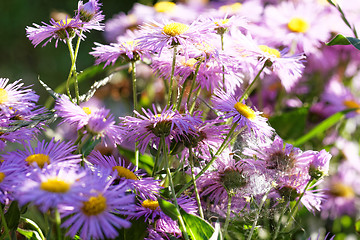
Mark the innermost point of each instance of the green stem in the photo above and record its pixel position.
(4, 224)
(133, 77)
(295, 208)
(168, 173)
(194, 102)
(279, 223)
(247, 90)
(257, 215)
(58, 223)
(71, 51)
(194, 183)
(172, 75)
(227, 219)
(207, 166)
(190, 93)
(82, 143)
(192, 86)
(180, 96)
(223, 67)
(156, 159)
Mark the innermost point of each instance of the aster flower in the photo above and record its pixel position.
(242, 115)
(152, 126)
(287, 67)
(99, 215)
(126, 48)
(144, 187)
(319, 166)
(156, 36)
(59, 30)
(14, 97)
(19, 135)
(11, 176)
(90, 15)
(300, 23)
(50, 188)
(44, 154)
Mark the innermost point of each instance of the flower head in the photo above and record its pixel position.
(90, 15)
(242, 114)
(97, 216)
(62, 30)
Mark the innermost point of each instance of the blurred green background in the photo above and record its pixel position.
(20, 60)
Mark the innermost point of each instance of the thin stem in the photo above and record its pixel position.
(223, 67)
(133, 77)
(4, 224)
(279, 223)
(156, 159)
(218, 152)
(257, 215)
(194, 102)
(247, 90)
(190, 93)
(294, 209)
(172, 76)
(82, 143)
(191, 157)
(34, 225)
(71, 51)
(227, 219)
(192, 87)
(168, 173)
(180, 96)
(58, 223)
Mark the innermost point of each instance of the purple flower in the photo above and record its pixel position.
(62, 30)
(11, 176)
(242, 114)
(168, 124)
(44, 154)
(98, 216)
(90, 15)
(16, 98)
(319, 166)
(51, 187)
(144, 187)
(156, 36)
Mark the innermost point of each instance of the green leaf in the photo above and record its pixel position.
(197, 228)
(12, 216)
(89, 146)
(169, 209)
(29, 234)
(290, 125)
(342, 40)
(323, 126)
(357, 226)
(137, 231)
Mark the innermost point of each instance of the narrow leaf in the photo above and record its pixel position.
(12, 216)
(198, 228)
(323, 126)
(29, 234)
(342, 40)
(169, 209)
(54, 94)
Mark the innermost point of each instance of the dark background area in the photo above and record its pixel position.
(18, 57)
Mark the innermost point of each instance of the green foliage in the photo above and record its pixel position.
(146, 162)
(169, 209)
(342, 40)
(197, 228)
(12, 216)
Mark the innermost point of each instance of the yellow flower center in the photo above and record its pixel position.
(164, 7)
(64, 22)
(190, 63)
(175, 29)
(298, 25)
(94, 206)
(245, 110)
(39, 158)
(222, 22)
(55, 185)
(87, 110)
(148, 203)
(124, 172)
(4, 97)
(269, 50)
(342, 190)
(2, 176)
(231, 8)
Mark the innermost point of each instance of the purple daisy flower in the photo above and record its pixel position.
(90, 15)
(102, 124)
(144, 187)
(156, 36)
(14, 97)
(11, 176)
(287, 67)
(51, 187)
(242, 114)
(151, 127)
(98, 216)
(59, 30)
(319, 166)
(20, 135)
(44, 154)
